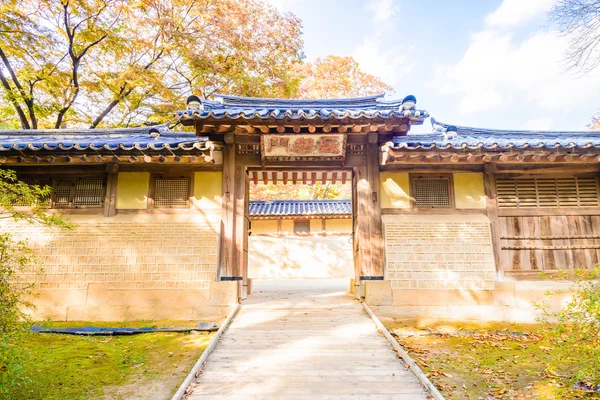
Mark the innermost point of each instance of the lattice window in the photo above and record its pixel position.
(301, 226)
(171, 192)
(89, 192)
(63, 192)
(71, 192)
(431, 192)
(547, 192)
(78, 192)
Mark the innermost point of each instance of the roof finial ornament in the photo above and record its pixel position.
(408, 103)
(154, 133)
(194, 103)
(451, 132)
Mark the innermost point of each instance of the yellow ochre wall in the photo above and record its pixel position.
(264, 226)
(468, 190)
(316, 225)
(269, 226)
(395, 191)
(208, 189)
(132, 190)
(287, 225)
(338, 225)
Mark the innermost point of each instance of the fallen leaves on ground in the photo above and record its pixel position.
(488, 364)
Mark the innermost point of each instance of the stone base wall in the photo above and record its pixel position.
(510, 301)
(131, 266)
(442, 266)
(439, 252)
(291, 256)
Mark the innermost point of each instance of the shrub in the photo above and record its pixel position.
(17, 258)
(576, 335)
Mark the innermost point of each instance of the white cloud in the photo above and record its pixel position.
(376, 55)
(517, 12)
(388, 63)
(499, 73)
(384, 10)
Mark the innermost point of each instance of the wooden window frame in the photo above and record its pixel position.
(302, 221)
(152, 189)
(53, 183)
(559, 210)
(448, 176)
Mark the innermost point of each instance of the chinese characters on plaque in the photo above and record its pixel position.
(303, 147)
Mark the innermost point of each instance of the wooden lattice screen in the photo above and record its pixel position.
(535, 192)
(70, 192)
(431, 192)
(171, 192)
(78, 192)
(89, 192)
(63, 189)
(301, 226)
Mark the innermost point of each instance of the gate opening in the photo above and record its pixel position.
(300, 225)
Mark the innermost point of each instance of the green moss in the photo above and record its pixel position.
(487, 361)
(84, 367)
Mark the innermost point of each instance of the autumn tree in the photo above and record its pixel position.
(335, 77)
(121, 62)
(299, 191)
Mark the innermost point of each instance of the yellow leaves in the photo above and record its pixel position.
(334, 76)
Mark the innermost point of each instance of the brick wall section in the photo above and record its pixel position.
(429, 254)
(123, 255)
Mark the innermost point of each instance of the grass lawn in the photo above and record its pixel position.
(144, 366)
(486, 361)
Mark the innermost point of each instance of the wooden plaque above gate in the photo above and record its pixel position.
(298, 147)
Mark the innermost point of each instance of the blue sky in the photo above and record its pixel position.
(486, 63)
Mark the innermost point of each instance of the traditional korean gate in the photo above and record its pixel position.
(367, 234)
(307, 136)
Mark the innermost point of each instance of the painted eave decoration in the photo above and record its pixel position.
(452, 137)
(303, 147)
(145, 138)
(283, 208)
(231, 108)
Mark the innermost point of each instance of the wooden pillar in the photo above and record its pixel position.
(241, 228)
(376, 224)
(491, 202)
(364, 208)
(110, 198)
(227, 248)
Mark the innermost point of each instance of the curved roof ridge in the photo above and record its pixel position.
(162, 129)
(440, 126)
(263, 102)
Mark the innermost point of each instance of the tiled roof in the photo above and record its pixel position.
(153, 138)
(249, 108)
(300, 207)
(448, 136)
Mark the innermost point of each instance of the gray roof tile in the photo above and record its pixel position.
(282, 208)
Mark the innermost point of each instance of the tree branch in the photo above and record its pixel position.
(13, 100)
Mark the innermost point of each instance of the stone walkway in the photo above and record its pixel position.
(304, 339)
